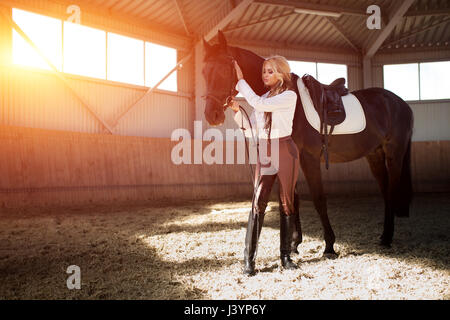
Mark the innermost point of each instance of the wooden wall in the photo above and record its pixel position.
(41, 167)
(430, 163)
(45, 167)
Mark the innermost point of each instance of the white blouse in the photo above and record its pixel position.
(282, 107)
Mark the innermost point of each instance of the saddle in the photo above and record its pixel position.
(329, 106)
(328, 103)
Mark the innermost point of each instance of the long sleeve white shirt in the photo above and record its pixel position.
(282, 107)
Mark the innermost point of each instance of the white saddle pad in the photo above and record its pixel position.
(355, 120)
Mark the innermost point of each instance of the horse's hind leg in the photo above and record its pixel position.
(311, 168)
(297, 235)
(394, 162)
(406, 191)
(377, 163)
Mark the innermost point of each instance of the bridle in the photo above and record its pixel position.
(228, 99)
(231, 94)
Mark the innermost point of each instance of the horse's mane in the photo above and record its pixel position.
(251, 65)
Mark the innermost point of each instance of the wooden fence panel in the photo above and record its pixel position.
(49, 167)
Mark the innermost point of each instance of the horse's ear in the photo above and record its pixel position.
(222, 40)
(206, 45)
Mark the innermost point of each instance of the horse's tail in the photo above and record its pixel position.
(406, 190)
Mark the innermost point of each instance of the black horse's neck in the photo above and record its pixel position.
(251, 66)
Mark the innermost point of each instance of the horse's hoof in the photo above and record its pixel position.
(288, 264)
(385, 243)
(249, 269)
(330, 254)
(249, 273)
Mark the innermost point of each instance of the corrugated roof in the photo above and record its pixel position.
(426, 22)
(156, 12)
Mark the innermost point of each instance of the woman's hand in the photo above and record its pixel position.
(238, 71)
(234, 105)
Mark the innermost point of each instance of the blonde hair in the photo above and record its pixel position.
(282, 72)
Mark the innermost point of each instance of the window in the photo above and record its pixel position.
(328, 72)
(46, 34)
(90, 52)
(403, 80)
(323, 72)
(84, 51)
(435, 80)
(301, 67)
(159, 60)
(418, 81)
(125, 59)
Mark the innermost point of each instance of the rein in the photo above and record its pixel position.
(230, 96)
(255, 184)
(245, 140)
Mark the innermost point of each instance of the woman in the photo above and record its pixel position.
(273, 117)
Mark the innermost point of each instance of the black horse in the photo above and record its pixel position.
(385, 141)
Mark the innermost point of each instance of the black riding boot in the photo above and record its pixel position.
(297, 229)
(287, 224)
(255, 222)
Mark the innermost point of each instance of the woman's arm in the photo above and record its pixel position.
(284, 100)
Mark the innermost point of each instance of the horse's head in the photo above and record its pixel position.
(220, 80)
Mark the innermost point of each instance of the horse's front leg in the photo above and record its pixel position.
(311, 168)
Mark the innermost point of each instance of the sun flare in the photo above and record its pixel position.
(85, 51)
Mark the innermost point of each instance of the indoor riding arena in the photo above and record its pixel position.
(116, 182)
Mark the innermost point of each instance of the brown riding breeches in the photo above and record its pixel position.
(287, 174)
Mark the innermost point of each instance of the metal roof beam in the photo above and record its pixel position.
(259, 21)
(252, 44)
(235, 12)
(430, 12)
(415, 32)
(342, 33)
(319, 9)
(396, 15)
(180, 14)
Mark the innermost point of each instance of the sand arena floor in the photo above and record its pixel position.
(194, 250)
